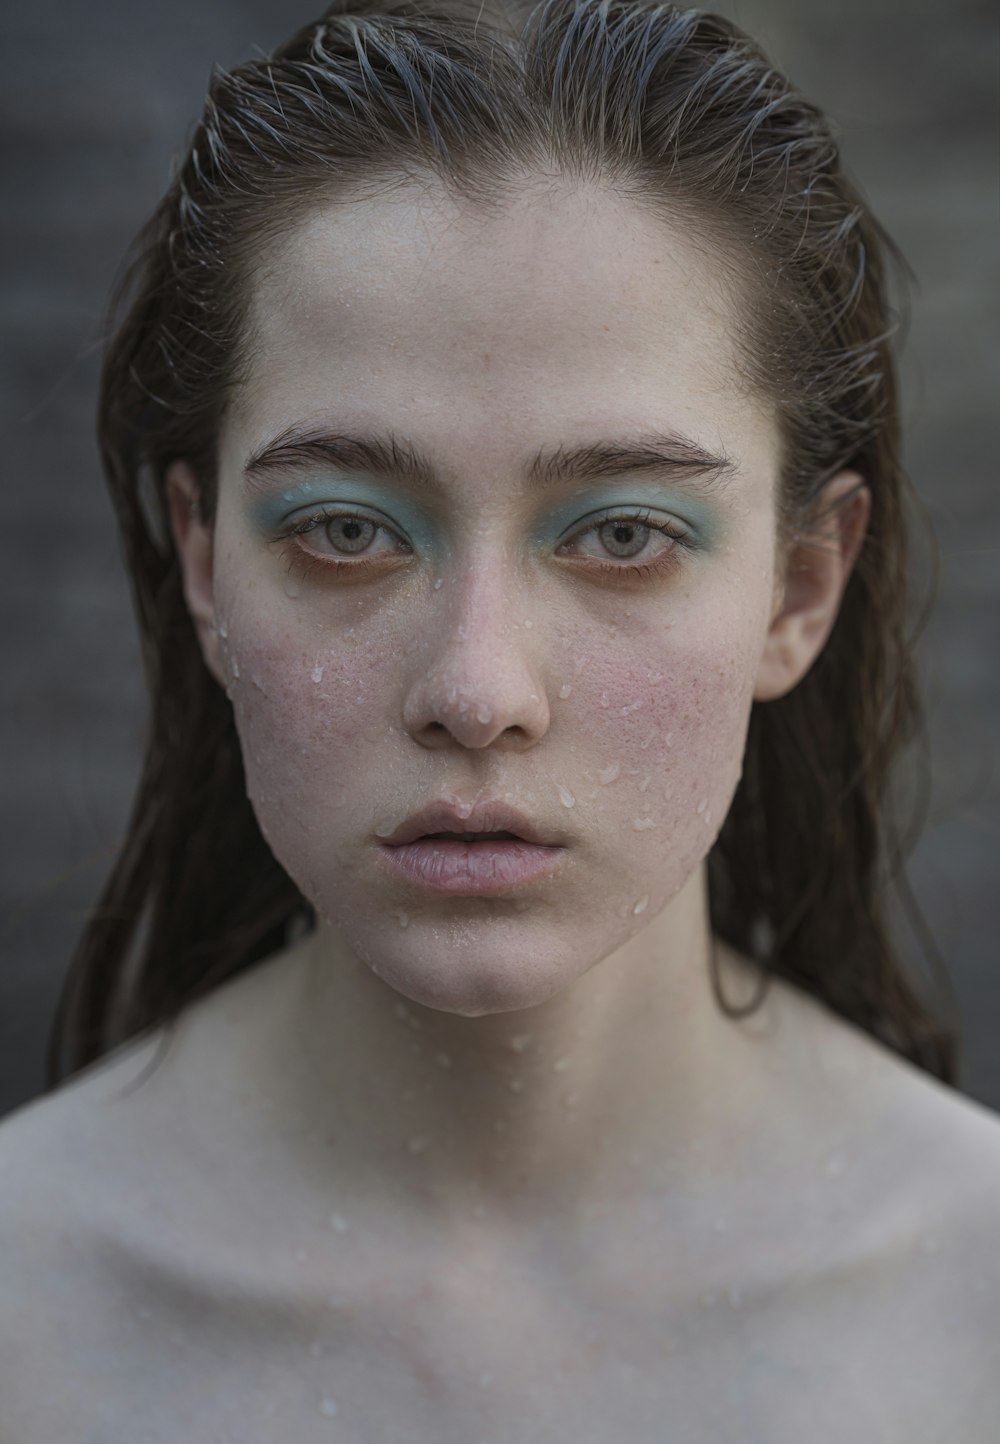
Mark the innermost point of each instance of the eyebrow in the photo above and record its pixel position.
(666, 454)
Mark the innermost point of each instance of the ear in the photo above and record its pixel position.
(814, 575)
(195, 550)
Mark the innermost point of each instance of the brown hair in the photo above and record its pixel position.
(674, 107)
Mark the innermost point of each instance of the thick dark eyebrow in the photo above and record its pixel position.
(665, 454)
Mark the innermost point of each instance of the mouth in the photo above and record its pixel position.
(471, 864)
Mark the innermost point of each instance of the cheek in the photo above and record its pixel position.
(308, 716)
(665, 722)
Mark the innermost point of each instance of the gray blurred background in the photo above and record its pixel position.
(97, 99)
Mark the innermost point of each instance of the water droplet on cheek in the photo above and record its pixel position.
(317, 672)
(236, 666)
(642, 824)
(565, 796)
(565, 690)
(610, 773)
(438, 583)
(641, 905)
(292, 588)
(702, 804)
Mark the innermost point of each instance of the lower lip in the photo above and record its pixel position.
(471, 869)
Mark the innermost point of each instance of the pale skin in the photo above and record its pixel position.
(523, 1120)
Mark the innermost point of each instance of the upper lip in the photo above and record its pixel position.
(488, 816)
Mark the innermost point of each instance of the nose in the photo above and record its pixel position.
(477, 683)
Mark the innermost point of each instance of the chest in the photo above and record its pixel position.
(153, 1359)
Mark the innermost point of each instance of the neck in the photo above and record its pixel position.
(632, 1077)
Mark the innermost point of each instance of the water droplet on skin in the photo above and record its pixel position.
(610, 773)
(579, 665)
(645, 783)
(709, 1298)
(642, 904)
(668, 739)
(316, 1349)
(404, 920)
(485, 1379)
(418, 1144)
(407, 1095)
(605, 701)
(570, 1100)
(834, 1165)
(632, 707)
(401, 1010)
(415, 1024)
(484, 714)
(479, 1211)
(301, 1255)
(565, 796)
(328, 1408)
(565, 690)
(519, 1042)
(930, 1244)
(517, 1085)
(528, 624)
(438, 583)
(643, 824)
(720, 1225)
(236, 667)
(338, 1223)
(499, 1126)
(560, 1065)
(317, 672)
(702, 805)
(292, 588)
(735, 1297)
(708, 816)
(442, 1060)
(461, 629)
(223, 630)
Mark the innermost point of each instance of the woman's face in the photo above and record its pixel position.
(579, 640)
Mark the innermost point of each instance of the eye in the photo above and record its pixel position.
(335, 534)
(627, 535)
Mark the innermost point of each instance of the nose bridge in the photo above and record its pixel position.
(478, 679)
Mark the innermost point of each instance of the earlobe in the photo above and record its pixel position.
(193, 540)
(816, 572)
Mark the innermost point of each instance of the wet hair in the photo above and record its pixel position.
(678, 110)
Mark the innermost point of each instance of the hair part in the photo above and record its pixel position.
(680, 111)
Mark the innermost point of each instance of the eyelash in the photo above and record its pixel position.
(665, 562)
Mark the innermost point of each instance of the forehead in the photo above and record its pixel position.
(568, 307)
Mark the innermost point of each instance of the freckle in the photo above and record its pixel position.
(610, 773)
(565, 690)
(565, 796)
(642, 904)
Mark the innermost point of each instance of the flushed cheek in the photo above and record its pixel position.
(666, 736)
(307, 719)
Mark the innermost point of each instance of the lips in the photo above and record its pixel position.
(486, 817)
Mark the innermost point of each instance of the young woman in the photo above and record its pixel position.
(491, 1029)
